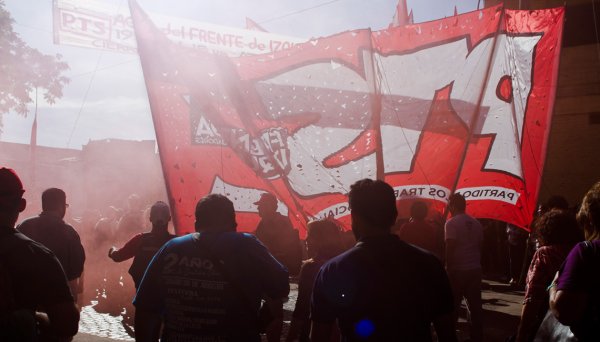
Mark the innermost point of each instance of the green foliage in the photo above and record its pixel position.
(23, 69)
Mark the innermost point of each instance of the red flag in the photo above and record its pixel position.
(455, 15)
(431, 108)
(401, 16)
(253, 25)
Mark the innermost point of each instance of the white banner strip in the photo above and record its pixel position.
(243, 198)
(494, 193)
(96, 25)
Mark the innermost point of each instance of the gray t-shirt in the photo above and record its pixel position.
(468, 234)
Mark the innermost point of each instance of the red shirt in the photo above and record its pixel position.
(423, 235)
(546, 261)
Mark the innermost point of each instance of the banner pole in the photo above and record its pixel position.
(475, 116)
(375, 98)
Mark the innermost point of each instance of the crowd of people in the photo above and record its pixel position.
(400, 280)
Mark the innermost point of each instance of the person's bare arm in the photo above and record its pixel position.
(147, 325)
(321, 331)
(444, 328)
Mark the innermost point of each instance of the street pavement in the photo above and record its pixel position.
(501, 304)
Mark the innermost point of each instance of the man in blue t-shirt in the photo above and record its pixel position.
(208, 286)
(382, 289)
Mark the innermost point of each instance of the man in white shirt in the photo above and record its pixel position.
(463, 235)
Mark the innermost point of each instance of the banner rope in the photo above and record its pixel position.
(386, 83)
(87, 91)
(476, 112)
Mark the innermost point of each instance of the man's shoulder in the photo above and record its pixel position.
(227, 238)
(280, 220)
(240, 240)
(349, 259)
(25, 247)
(462, 219)
(71, 231)
(28, 223)
(393, 256)
(179, 241)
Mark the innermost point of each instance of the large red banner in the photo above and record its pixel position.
(461, 104)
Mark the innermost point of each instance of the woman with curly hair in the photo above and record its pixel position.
(575, 292)
(557, 232)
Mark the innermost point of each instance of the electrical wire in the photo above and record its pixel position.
(298, 12)
(87, 91)
(383, 79)
(106, 67)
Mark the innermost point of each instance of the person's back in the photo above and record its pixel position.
(208, 286)
(60, 238)
(464, 236)
(421, 234)
(273, 232)
(276, 232)
(142, 247)
(150, 244)
(50, 230)
(389, 291)
(467, 234)
(214, 279)
(323, 242)
(383, 289)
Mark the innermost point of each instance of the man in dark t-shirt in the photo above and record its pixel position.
(143, 246)
(54, 233)
(421, 233)
(383, 289)
(276, 232)
(31, 272)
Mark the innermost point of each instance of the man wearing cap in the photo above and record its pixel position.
(208, 286)
(143, 246)
(276, 232)
(31, 274)
(50, 230)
